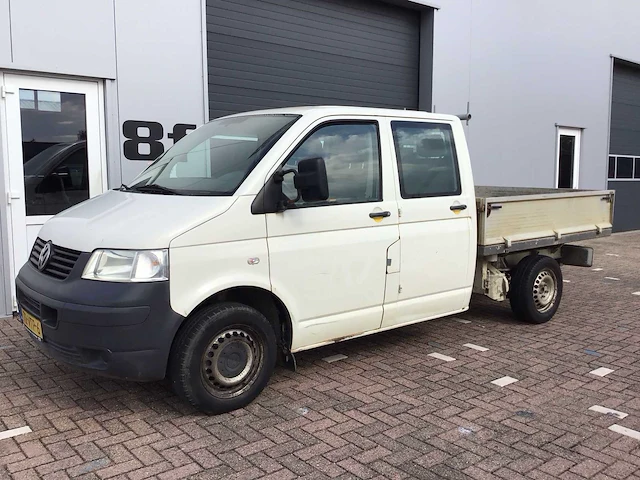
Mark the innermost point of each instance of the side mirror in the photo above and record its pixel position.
(311, 180)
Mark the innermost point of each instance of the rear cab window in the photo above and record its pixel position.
(427, 160)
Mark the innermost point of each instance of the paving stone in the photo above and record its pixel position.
(386, 411)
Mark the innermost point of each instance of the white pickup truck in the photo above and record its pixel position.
(267, 233)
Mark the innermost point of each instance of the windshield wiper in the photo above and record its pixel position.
(153, 188)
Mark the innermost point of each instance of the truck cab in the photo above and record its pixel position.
(259, 235)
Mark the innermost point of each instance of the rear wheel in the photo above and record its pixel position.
(223, 358)
(536, 289)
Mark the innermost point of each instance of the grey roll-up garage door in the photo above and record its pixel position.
(624, 145)
(280, 53)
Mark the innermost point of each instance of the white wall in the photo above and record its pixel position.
(160, 67)
(5, 33)
(525, 67)
(70, 37)
(148, 52)
(152, 49)
(451, 54)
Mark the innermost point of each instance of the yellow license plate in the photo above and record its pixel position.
(32, 323)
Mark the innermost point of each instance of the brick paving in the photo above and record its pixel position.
(387, 411)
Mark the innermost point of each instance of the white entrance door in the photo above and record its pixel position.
(568, 157)
(55, 146)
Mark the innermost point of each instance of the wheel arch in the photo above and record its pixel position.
(264, 301)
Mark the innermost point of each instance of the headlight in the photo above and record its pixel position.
(127, 266)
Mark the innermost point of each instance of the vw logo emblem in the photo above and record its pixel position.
(45, 254)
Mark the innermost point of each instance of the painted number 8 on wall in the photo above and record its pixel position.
(151, 142)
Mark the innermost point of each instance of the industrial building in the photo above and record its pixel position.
(92, 92)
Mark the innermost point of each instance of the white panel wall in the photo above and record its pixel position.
(451, 54)
(71, 36)
(530, 66)
(149, 52)
(5, 33)
(152, 50)
(160, 68)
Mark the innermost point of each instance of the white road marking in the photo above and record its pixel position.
(566, 281)
(475, 347)
(504, 381)
(334, 358)
(611, 278)
(14, 432)
(625, 431)
(613, 255)
(596, 269)
(439, 356)
(608, 411)
(462, 320)
(601, 372)
(636, 293)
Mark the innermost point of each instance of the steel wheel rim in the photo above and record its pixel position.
(545, 290)
(231, 361)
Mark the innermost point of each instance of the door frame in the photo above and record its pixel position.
(14, 177)
(575, 132)
(6, 301)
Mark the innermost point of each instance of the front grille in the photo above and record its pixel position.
(61, 262)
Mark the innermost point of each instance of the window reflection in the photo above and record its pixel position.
(54, 149)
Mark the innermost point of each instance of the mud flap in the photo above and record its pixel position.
(289, 361)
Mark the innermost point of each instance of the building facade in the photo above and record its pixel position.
(92, 92)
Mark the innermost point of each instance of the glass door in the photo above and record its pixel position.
(568, 157)
(55, 146)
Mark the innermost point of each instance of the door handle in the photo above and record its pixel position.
(11, 196)
(379, 214)
(457, 208)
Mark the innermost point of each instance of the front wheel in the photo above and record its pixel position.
(536, 289)
(223, 358)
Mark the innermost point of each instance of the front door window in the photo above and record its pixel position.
(352, 158)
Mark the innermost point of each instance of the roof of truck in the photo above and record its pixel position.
(327, 110)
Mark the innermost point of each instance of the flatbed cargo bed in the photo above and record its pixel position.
(512, 219)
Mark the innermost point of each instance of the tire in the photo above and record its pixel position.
(536, 289)
(218, 377)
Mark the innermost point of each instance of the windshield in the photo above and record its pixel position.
(215, 158)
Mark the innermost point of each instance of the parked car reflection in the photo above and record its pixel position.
(56, 178)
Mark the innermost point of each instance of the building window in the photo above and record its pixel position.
(40, 100)
(623, 167)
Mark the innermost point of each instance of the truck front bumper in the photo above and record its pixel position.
(122, 330)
